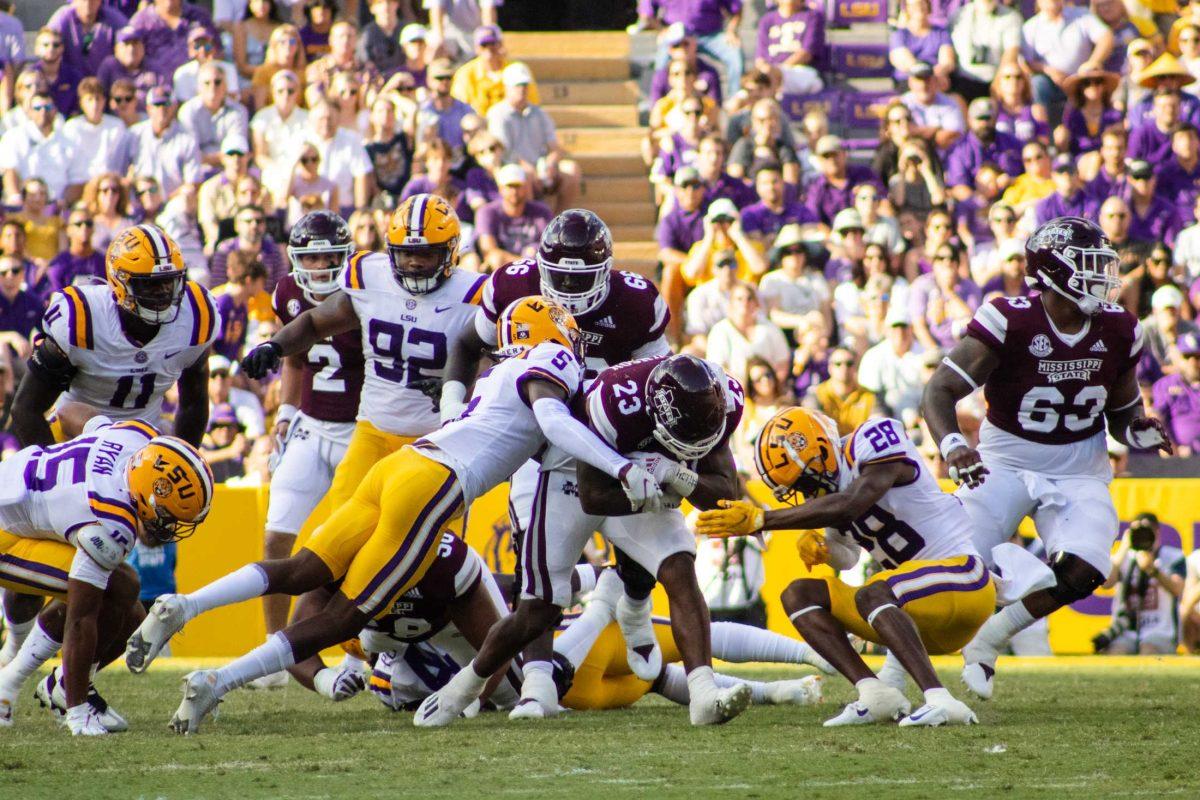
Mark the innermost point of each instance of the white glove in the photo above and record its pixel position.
(667, 472)
(671, 499)
(643, 491)
(82, 721)
(1146, 433)
(339, 683)
(453, 401)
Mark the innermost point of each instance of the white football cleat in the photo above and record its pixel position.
(200, 698)
(876, 703)
(641, 647)
(8, 705)
(806, 691)
(165, 619)
(87, 725)
(276, 680)
(979, 679)
(52, 695)
(941, 712)
(720, 706)
(441, 708)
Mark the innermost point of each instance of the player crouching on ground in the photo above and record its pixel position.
(871, 491)
(69, 517)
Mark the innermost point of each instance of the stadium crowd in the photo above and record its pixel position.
(816, 268)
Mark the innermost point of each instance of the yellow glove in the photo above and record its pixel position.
(733, 518)
(812, 548)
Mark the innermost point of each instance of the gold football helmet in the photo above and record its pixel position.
(172, 488)
(146, 273)
(796, 453)
(422, 242)
(532, 320)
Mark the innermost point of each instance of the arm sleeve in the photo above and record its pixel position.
(573, 437)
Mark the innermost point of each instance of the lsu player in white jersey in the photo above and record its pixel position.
(382, 542)
(118, 348)
(70, 514)
(871, 491)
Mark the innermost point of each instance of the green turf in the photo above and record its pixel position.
(1085, 732)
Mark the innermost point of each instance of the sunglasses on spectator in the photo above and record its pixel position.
(1086, 82)
(1004, 220)
(82, 223)
(44, 107)
(1030, 159)
(122, 99)
(219, 373)
(159, 104)
(8, 273)
(692, 112)
(898, 119)
(53, 44)
(691, 185)
(309, 159)
(286, 89)
(841, 363)
(146, 190)
(203, 44)
(762, 376)
(1160, 260)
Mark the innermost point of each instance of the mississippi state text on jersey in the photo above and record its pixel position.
(121, 379)
(627, 324)
(333, 367)
(1050, 387)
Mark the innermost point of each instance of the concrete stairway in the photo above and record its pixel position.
(585, 85)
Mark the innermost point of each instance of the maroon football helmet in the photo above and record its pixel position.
(574, 259)
(1072, 256)
(687, 401)
(325, 238)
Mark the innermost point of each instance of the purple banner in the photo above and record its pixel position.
(861, 60)
(797, 105)
(847, 12)
(864, 109)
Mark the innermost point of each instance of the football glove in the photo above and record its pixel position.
(812, 548)
(668, 473)
(1148, 433)
(262, 360)
(643, 491)
(339, 683)
(733, 518)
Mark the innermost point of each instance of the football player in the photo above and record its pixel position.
(69, 516)
(319, 394)
(1057, 370)
(381, 542)
(871, 491)
(118, 348)
(660, 412)
(621, 317)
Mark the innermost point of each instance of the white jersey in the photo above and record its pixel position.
(405, 340)
(498, 432)
(78, 487)
(113, 374)
(915, 521)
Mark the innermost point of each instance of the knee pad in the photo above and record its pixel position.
(1075, 579)
(639, 583)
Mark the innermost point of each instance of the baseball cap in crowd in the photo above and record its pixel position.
(920, 70)
(789, 235)
(829, 144)
(848, 219)
(721, 208)
(198, 33)
(219, 363)
(442, 68)
(1140, 169)
(235, 143)
(1188, 344)
(413, 32)
(1166, 297)
(516, 74)
(511, 175)
(1011, 248)
(676, 34)
(486, 35)
(129, 34)
(897, 315)
(1063, 162)
(982, 108)
(160, 96)
(1139, 47)
(222, 414)
(686, 175)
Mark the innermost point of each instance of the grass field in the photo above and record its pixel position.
(1067, 728)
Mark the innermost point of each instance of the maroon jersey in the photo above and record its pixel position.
(628, 324)
(333, 367)
(424, 610)
(1048, 387)
(617, 409)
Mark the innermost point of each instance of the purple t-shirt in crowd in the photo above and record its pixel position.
(1160, 223)
(270, 254)
(65, 268)
(421, 184)
(234, 319)
(480, 186)
(943, 330)
(679, 229)
(741, 193)
(1178, 184)
(974, 212)
(143, 80)
(449, 121)
(1078, 205)
(64, 90)
(1178, 404)
(1022, 126)
(681, 154)
(519, 234)
(700, 17)
(1104, 186)
(22, 314)
(1148, 143)
(779, 36)
(708, 82)
(971, 153)
(996, 286)
(925, 48)
(1082, 139)
(1189, 110)
(826, 200)
(85, 50)
(758, 219)
(166, 47)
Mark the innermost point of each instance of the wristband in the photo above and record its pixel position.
(285, 413)
(950, 443)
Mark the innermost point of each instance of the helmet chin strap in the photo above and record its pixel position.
(1085, 302)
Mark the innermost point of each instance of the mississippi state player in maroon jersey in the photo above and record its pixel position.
(1054, 368)
(320, 392)
(622, 317)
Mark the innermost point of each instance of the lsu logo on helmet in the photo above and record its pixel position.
(172, 487)
(796, 454)
(529, 321)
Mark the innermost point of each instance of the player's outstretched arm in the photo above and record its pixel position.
(462, 365)
(191, 420)
(334, 315)
(1127, 420)
(962, 372)
(49, 374)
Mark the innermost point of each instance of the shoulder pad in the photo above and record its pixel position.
(135, 425)
(352, 276)
(875, 441)
(990, 323)
(474, 294)
(68, 320)
(206, 321)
